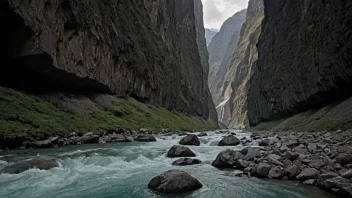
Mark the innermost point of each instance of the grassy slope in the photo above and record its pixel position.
(330, 118)
(27, 115)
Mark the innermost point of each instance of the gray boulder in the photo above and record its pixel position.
(344, 159)
(23, 166)
(180, 151)
(347, 174)
(336, 182)
(263, 169)
(174, 181)
(186, 162)
(190, 140)
(345, 192)
(227, 159)
(324, 177)
(308, 173)
(291, 171)
(264, 142)
(275, 173)
(146, 138)
(202, 134)
(49, 143)
(229, 141)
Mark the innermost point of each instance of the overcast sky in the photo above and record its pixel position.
(217, 11)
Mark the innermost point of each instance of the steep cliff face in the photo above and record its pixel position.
(204, 57)
(304, 58)
(240, 71)
(209, 35)
(221, 50)
(147, 50)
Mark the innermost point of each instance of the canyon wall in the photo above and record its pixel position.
(144, 49)
(240, 71)
(221, 50)
(305, 58)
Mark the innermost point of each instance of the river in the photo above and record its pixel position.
(123, 170)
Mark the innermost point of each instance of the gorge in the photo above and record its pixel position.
(98, 98)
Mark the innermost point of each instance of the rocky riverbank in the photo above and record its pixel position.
(75, 139)
(319, 159)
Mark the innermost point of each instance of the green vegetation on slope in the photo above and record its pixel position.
(329, 118)
(27, 115)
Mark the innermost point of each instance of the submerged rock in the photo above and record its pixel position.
(180, 151)
(174, 181)
(190, 140)
(23, 166)
(229, 141)
(202, 134)
(186, 162)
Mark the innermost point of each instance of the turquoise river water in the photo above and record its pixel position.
(123, 170)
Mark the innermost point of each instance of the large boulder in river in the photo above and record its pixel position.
(308, 173)
(190, 139)
(145, 138)
(186, 162)
(229, 141)
(180, 151)
(23, 166)
(227, 159)
(174, 181)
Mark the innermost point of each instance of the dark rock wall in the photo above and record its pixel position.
(144, 49)
(204, 57)
(305, 58)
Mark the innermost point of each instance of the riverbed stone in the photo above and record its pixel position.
(191, 140)
(264, 142)
(186, 162)
(274, 159)
(227, 159)
(308, 173)
(310, 182)
(344, 159)
(345, 192)
(291, 155)
(336, 182)
(180, 151)
(48, 143)
(202, 134)
(275, 173)
(347, 174)
(326, 176)
(145, 138)
(229, 141)
(263, 169)
(23, 166)
(174, 181)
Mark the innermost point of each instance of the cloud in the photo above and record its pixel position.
(217, 11)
